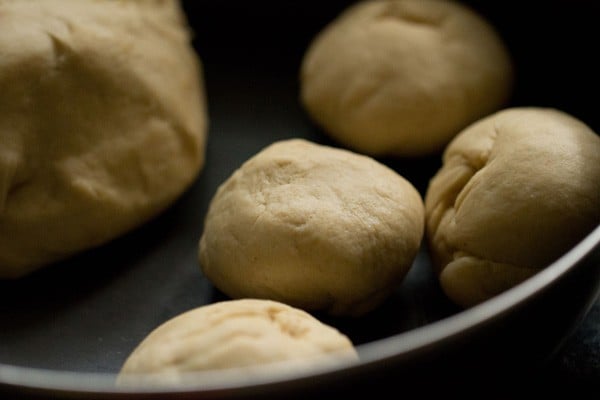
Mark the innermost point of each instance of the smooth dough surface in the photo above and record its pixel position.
(102, 123)
(243, 333)
(402, 77)
(313, 226)
(517, 190)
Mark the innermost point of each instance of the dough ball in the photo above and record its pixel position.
(102, 123)
(315, 227)
(516, 191)
(244, 333)
(402, 77)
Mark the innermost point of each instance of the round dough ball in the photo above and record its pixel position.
(402, 77)
(242, 333)
(516, 191)
(102, 123)
(312, 226)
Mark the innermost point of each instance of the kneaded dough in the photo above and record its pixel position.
(517, 190)
(402, 77)
(102, 123)
(245, 333)
(313, 226)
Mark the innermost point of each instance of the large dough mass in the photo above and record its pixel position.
(102, 123)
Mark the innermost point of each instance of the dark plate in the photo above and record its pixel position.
(66, 330)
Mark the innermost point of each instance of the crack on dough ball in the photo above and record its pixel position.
(516, 190)
(245, 333)
(314, 226)
(103, 123)
(402, 77)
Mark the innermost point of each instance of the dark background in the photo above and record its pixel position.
(553, 43)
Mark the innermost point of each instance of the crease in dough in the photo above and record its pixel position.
(516, 190)
(248, 336)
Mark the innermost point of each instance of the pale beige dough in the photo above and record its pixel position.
(517, 190)
(402, 77)
(245, 333)
(102, 123)
(313, 226)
